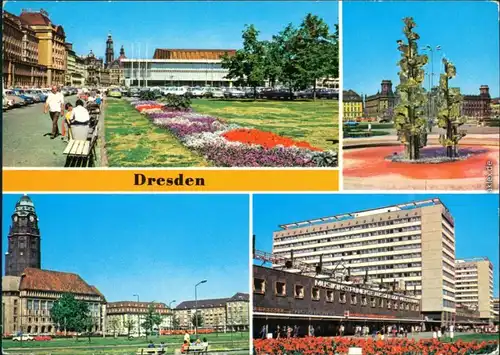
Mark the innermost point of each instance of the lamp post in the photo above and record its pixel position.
(196, 305)
(138, 317)
(431, 79)
(170, 306)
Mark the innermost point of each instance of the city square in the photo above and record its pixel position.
(384, 272)
(425, 114)
(144, 296)
(261, 98)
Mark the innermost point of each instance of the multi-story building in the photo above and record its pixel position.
(496, 310)
(79, 77)
(28, 292)
(223, 314)
(478, 107)
(474, 285)
(178, 67)
(28, 299)
(409, 247)
(70, 64)
(381, 105)
(124, 314)
(94, 67)
(352, 105)
(495, 108)
(20, 54)
(51, 45)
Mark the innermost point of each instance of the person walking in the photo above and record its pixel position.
(54, 106)
(452, 331)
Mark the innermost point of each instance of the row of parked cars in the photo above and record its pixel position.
(13, 98)
(234, 92)
(27, 337)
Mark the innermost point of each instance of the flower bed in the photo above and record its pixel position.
(312, 346)
(228, 145)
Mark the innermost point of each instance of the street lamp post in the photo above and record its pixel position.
(170, 306)
(138, 317)
(431, 81)
(196, 305)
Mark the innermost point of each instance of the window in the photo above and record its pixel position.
(315, 294)
(381, 302)
(259, 286)
(373, 301)
(280, 288)
(30, 304)
(342, 297)
(364, 301)
(354, 298)
(299, 291)
(329, 296)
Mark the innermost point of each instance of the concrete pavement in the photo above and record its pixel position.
(24, 143)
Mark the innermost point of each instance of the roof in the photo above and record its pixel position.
(165, 53)
(135, 304)
(10, 283)
(56, 281)
(35, 18)
(213, 303)
(351, 96)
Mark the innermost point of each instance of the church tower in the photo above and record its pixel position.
(23, 239)
(110, 53)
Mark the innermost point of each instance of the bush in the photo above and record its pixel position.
(208, 95)
(148, 95)
(178, 103)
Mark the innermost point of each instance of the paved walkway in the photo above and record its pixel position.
(24, 143)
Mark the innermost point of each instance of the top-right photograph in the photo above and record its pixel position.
(421, 106)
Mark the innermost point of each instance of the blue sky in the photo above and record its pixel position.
(171, 24)
(156, 245)
(476, 217)
(466, 30)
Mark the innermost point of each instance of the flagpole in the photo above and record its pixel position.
(146, 57)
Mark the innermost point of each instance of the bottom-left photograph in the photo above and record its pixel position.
(125, 274)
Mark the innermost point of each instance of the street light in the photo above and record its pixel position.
(170, 306)
(196, 306)
(138, 317)
(431, 79)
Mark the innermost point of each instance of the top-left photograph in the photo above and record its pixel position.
(170, 84)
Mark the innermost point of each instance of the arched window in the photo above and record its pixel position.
(29, 329)
(49, 329)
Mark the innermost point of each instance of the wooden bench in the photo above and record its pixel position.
(195, 349)
(154, 351)
(81, 153)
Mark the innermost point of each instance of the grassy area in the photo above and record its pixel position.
(310, 121)
(122, 345)
(472, 337)
(131, 140)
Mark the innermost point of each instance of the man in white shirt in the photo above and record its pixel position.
(54, 105)
(79, 115)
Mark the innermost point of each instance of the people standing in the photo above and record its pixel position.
(452, 331)
(54, 106)
(187, 338)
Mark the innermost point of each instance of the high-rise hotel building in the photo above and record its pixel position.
(411, 245)
(474, 285)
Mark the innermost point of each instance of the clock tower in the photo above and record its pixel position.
(23, 239)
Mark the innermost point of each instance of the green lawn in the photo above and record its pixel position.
(473, 337)
(310, 121)
(122, 345)
(132, 140)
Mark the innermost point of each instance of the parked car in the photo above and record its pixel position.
(115, 93)
(42, 338)
(234, 93)
(278, 94)
(17, 101)
(199, 92)
(27, 98)
(24, 337)
(5, 103)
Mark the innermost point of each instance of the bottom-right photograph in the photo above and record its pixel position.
(376, 274)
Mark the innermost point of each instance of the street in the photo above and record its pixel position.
(24, 143)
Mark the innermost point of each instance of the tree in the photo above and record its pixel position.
(151, 318)
(114, 324)
(196, 323)
(247, 65)
(449, 116)
(176, 322)
(409, 119)
(286, 47)
(70, 314)
(129, 324)
(317, 51)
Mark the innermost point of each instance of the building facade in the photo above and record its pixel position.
(28, 299)
(94, 67)
(474, 285)
(495, 108)
(283, 299)
(352, 105)
(79, 77)
(70, 64)
(51, 45)
(478, 107)
(409, 247)
(178, 67)
(124, 314)
(381, 105)
(221, 314)
(20, 54)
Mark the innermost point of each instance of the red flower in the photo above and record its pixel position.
(265, 139)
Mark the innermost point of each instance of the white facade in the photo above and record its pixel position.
(174, 72)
